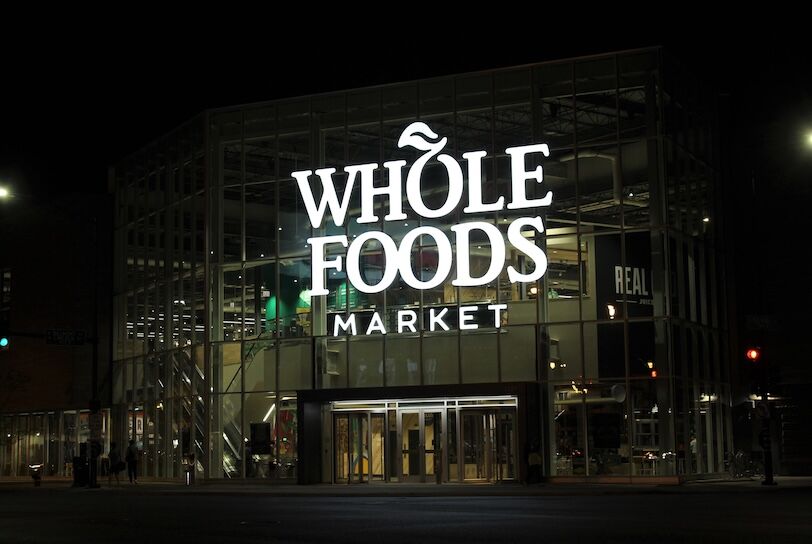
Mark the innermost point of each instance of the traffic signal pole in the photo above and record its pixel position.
(95, 417)
(754, 355)
(765, 437)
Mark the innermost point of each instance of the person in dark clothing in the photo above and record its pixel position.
(116, 465)
(534, 464)
(132, 462)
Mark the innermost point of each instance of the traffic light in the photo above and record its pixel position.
(753, 354)
(4, 342)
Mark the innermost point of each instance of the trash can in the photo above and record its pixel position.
(189, 468)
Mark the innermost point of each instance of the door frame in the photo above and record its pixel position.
(440, 417)
(392, 410)
(359, 477)
(491, 442)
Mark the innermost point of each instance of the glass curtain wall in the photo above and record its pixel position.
(217, 329)
(49, 438)
(160, 303)
(696, 269)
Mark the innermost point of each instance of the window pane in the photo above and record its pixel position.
(226, 368)
(260, 417)
(517, 345)
(260, 221)
(226, 423)
(607, 429)
(561, 347)
(295, 364)
(611, 352)
(285, 437)
(402, 360)
(260, 366)
(334, 362)
(440, 359)
(366, 362)
(479, 356)
(568, 440)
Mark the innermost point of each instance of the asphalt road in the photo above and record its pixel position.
(148, 516)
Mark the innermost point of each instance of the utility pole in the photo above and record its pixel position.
(95, 419)
(763, 413)
(765, 437)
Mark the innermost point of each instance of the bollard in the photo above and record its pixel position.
(189, 468)
(36, 473)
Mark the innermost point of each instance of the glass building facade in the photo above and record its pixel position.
(613, 365)
(52, 439)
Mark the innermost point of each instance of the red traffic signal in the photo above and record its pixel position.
(753, 354)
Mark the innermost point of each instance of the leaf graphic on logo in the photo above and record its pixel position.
(415, 136)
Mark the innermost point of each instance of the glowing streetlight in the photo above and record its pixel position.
(809, 139)
(4, 192)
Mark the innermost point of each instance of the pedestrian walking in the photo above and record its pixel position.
(534, 464)
(132, 462)
(116, 464)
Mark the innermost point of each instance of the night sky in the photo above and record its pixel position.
(75, 101)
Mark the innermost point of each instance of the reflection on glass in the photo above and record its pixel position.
(359, 448)
(431, 443)
(440, 359)
(226, 422)
(259, 363)
(377, 447)
(561, 345)
(568, 431)
(609, 452)
(451, 432)
(410, 446)
(402, 361)
(505, 445)
(479, 356)
(341, 441)
(366, 361)
(476, 453)
(518, 353)
(295, 364)
(285, 437)
(294, 299)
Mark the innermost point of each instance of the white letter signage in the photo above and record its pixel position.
(432, 174)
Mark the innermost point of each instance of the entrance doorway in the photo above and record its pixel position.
(360, 443)
(420, 435)
(424, 440)
(488, 445)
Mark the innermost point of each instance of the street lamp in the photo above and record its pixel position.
(4, 193)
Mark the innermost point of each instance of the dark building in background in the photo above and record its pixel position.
(615, 365)
(55, 289)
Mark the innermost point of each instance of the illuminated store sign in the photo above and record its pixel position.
(398, 257)
(624, 279)
(435, 319)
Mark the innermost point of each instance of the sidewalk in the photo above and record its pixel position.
(795, 484)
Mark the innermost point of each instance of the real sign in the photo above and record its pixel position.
(398, 257)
